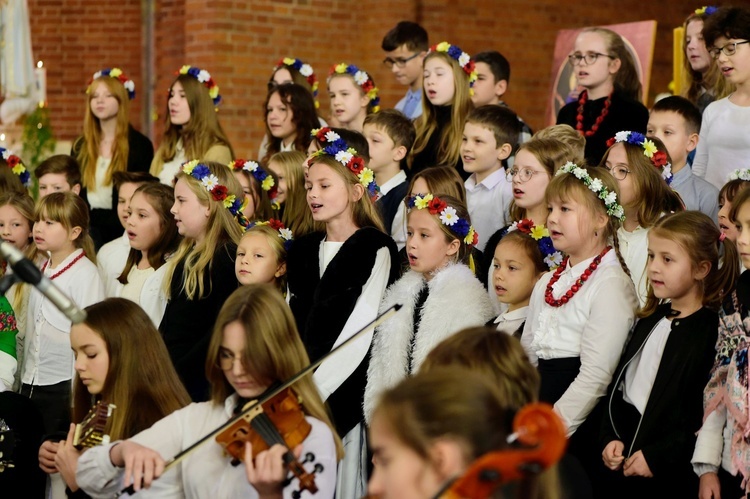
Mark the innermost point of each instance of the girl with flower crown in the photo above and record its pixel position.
(14, 176)
(208, 210)
(439, 294)
(642, 168)
(449, 75)
(655, 402)
(109, 144)
(353, 96)
(579, 315)
(290, 117)
(191, 128)
(259, 185)
(262, 254)
(337, 278)
(610, 99)
(293, 70)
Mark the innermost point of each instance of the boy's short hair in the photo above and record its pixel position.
(406, 33)
(684, 108)
(60, 164)
(497, 62)
(356, 140)
(119, 178)
(398, 127)
(729, 22)
(501, 120)
(567, 135)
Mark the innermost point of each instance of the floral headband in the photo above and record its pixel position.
(596, 186)
(204, 77)
(305, 70)
(741, 174)
(540, 234)
(362, 79)
(284, 233)
(463, 59)
(706, 10)
(658, 158)
(265, 180)
(17, 167)
(218, 192)
(119, 75)
(446, 214)
(333, 145)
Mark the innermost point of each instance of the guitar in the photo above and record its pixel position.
(92, 430)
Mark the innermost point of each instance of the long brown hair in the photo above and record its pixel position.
(295, 214)
(141, 380)
(273, 348)
(699, 236)
(300, 103)
(696, 82)
(199, 134)
(88, 148)
(71, 211)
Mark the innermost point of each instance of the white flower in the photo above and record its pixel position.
(306, 70)
(332, 136)
(666, 172)
(513, 226)
(596, 185)
(580, 173)
(98, 74)
(610, 199)
(463, 59)
(618, 212)
(344, 157)
(6, 154)
(129, 86)
(448, 216)
(210, 182)
(554, 260)
(286, 234)
(360, 77)
(250, 166)
(621, 136)
(203, 76)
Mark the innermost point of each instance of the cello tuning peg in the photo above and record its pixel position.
(309, 457)
(318, 468)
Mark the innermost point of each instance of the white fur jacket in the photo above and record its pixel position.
(455, 300)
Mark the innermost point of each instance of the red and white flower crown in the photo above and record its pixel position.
(204, 77)
(362, 79)
(119, 76)
(305, 70)
(463, 59)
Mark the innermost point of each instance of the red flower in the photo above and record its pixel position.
(469, 68)
(275, 224)
(356, 164)
(367, 86)
(273, 193)
(611, 142)
(13, 160)
(476, 239)
(219, 193)
(525, 226)
(436, 205)
(321, 135)
(659, 159)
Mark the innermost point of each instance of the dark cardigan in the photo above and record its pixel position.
(428, 156)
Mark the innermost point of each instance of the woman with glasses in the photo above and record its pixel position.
(610, 99)
(724, 139)
(254, 345)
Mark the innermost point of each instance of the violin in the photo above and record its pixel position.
(279, 420)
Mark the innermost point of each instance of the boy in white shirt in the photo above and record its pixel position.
(490, 137)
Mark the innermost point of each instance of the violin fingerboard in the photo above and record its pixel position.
(92, 430)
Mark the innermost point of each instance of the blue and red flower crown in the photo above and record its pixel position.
(333, 145)
(204, 77)
(17, 167)
(447, 216)
(119, 76)
(658, 158)
(277, 225)
(362, 79)
(218, 192)
(463, 59)
(305, 70)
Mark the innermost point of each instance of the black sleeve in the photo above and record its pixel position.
(141, 151)
(567, 114)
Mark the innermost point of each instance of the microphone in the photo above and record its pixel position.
(28, 272)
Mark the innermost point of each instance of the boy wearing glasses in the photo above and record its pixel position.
(724, 137)
(405, 47)
(490, 137)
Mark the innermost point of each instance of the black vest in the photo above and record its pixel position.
(391, 203)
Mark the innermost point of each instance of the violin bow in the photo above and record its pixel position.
(272, 393)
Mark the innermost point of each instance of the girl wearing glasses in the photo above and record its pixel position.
(610, 100)
(642, 169)
(724, 142)
(254, 345)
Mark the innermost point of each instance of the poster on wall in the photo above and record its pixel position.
(639, 38)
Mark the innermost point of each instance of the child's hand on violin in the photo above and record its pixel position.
(142, 465)
(47, 456)
(267, 472)
(636, 465)
(612, 455)
(66, 459)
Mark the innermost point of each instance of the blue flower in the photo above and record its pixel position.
(26, 178)
(201, 171)
(331, 150)
(461, 227)
(711, 10)
(545, 244)
(636, 138)
(352, 69)
(454, 52)
(193, 72)
(297, 64)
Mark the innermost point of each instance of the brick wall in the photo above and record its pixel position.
(238, 41)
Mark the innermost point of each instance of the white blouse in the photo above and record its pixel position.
(170, 168)
(101, 195)
(509, 322)
(111, 260)
(641, 371)
(634, 250)
(593, 325)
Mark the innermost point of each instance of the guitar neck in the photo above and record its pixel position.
(92, 430)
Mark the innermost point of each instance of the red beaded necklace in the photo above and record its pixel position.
(576, 286)
(579, 118)
(62, 271)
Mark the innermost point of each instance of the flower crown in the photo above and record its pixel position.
(741, 174)
(305, 70)
(362, 79)
(596, 186)
(284, 233)
(540, 234)
(119, 75)
(463, 59)
(204, 77)
(332, 144)
(17, 167)
(265, 180)
(219, 192)
(706, 10)
(658, 158)
(446, 214)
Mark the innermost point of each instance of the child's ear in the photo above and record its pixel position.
(453, 247)
(364, 101)
(692, 142)
(447, 458)
(74, 233)
(500, 88)
(399, 153)
(614, 65)
(281, 270)
(76, 189)
(701, 270)
(504, 151)
(357, 192)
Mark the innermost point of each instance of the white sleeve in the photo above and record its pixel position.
(532, 319)
(320, 442)
(710, 443)
(337, 368)
(700, 163)
(612, 313)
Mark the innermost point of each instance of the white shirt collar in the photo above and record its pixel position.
(396, 180)
(519, 313)
(489, 182)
